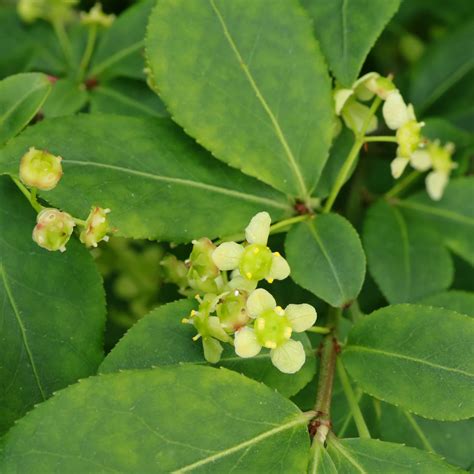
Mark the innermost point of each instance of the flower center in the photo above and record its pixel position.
(408, 138)
(232, 312)
(256, 262)
(272, 328)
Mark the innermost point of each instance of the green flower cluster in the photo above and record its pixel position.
(413, 148)
(232, 309)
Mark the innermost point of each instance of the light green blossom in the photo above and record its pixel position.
(254, 261)
(272, 329)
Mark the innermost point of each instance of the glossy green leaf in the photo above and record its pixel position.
(452, 216)
(52, 312)
(326, 258)
(157, 182)
(66, 98)
(120, 50)
(126, 97)
(21, 96)
(418, 357)
(247, 80)
(447, 438)
(444, 65)
(455, 300)
(367, 456)
(186, 419)
(407, 260)
(347, 30)
(161, 339)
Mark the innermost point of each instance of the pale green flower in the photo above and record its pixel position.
(40, 169)
(272, 328)
(254, 261)
(53, 229)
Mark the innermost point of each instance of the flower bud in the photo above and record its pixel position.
(175, 271)
(381, 86)
(40, 169)
(202, 269)
(96, 228)
(53, 229)
(232, 311)
(96, 17)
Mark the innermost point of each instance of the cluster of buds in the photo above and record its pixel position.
(42, 170)
(232, 309)
(49, 10)
(96, 17)
(413, 148)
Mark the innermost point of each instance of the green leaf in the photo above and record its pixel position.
(418, 357)
(407, 260)
(366, 456)
(52, 312)
(126, 97)
(120, 50)
(443, 66)
(21, 96)
(66, 98)
(446, 438)
(17, 45)
(326, 258)
(157, 182)
(347, 30)
(452, 216)
(337, 156)
(184, 419)
(455, 300)
(320, 462)
(247, 80)
(161, 339)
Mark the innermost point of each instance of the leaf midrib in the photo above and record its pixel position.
(338, 447)
(16, 312)
(116, 57)
(182, 182)
(8, 112)
(327, 257)
(405, 250)
(107, 91)
(302, 419)
(357, 348)
(278, 131)
(440, 212)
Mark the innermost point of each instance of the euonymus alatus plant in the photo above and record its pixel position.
(205, 167)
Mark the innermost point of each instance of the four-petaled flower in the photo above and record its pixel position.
(272, 328)
(254, 261)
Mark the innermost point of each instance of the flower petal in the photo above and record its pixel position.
(212, 349)
(227, 255)
(395, 111)
(360, 86)
(289, 357)
(279, 269)
(436, 181)
(258, 229)
(245, 343)
(259, 301)
(241, 283)
(355, 114)
(340, 98)
(301, 316)
(398, 166)
(421, 160)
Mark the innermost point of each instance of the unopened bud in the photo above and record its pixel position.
(175, 270)
(53, 229)
(30, 10)
(40, 169)
(97, 17)
(96, 228)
